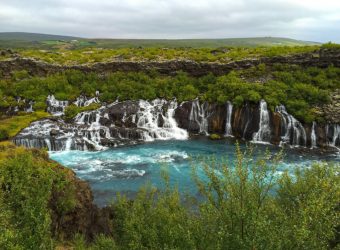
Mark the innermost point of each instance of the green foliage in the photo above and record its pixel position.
(331, 45)
(215, 137)
(154, 220)
(9, 127)
(308, 205)
(72, 110)
(299, 89)
(242, 204)
(104, 243)
(26, 187)
(4, 135)
(28, 181)
(223, 53)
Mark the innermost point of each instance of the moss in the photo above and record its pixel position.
(11, 126)
(215, 137)
(93, 55)
(72, 110)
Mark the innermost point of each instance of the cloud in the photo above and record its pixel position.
(304, 19)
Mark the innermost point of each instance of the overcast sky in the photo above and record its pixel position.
(315, 20)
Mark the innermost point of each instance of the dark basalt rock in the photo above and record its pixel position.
(118, 126)
(246, 121)
(276, 128)
(85, 218)
(182, 114)
(217, 118)
(54, 132)
(320, 58)
(122, 113)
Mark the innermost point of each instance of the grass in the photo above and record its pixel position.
(222, 55)
(72, 110)
(13, 125)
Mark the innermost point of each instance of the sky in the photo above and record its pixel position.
(313, 20)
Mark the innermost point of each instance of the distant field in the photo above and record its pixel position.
(42, 41)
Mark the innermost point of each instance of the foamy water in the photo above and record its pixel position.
(126, 169)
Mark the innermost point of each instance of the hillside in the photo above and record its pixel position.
(34, 40)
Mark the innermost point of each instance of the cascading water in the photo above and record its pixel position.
(151, 121)
(158, 123)
(55, 106)
(333, 135)
(199, 114)
(129, 122)
(263, 135)
(228, 128)
(313, 136)
(292, 131)
(83, 101)
(29, 109)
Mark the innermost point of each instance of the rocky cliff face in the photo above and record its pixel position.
(331, 111)
(322, 58)
(85, 218)
(130, 122)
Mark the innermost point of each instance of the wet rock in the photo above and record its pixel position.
(246, 121)
(182, 114)
(54, 132)
(217, 118)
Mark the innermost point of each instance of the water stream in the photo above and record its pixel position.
(126, 169)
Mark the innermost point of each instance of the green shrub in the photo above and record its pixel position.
(28, 181)
(104, 243)
(215, 137)
(72, 110)
(3, 134)
(310, 87)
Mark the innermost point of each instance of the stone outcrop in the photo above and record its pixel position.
(131, 122)
(320, 58)
(85, 218)
(331, 111)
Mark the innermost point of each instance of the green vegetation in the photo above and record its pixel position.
(299, 89)
(215, 137)
(28, 181)
(243, 204)
(72, 110)
(331, 45)
(9, 127)
(223, 55)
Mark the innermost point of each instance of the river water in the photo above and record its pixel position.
(126, 169)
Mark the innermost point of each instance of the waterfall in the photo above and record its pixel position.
(292, 131)
(82, 101)
(263, 135)
(55, 106)
(199, 114)
(48, 144)
(313, 136)
(151, 120)
(228, 127)
(333, 134)
(68, 143)
(157, 122)
(29, 109)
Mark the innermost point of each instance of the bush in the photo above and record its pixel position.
(72, 110)
(28, 180)
(311, 86)
(215, 137)
(241, 204)
(3, 134)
